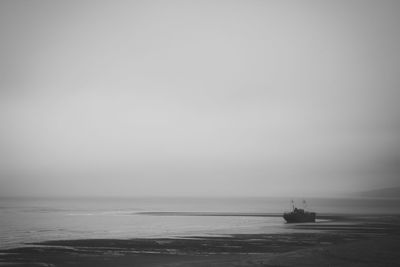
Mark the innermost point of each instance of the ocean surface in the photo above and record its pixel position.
(25, 220)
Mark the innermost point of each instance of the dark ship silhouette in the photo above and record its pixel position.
(299, 215)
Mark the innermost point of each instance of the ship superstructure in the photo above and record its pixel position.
(298, 215)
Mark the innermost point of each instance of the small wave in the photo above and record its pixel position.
(102, 213)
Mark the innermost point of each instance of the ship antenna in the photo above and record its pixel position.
(292, 203)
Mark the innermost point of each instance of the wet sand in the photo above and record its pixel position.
(342, 241)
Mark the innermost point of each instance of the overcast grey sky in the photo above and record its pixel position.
(230, 98)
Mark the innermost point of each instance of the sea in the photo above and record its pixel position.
(28, 220)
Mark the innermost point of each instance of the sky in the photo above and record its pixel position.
(198, 98)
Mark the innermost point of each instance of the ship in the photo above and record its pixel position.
(299, 215)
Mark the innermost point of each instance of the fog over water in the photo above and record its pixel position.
(204, 98)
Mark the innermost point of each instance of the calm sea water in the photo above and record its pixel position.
(33, 220)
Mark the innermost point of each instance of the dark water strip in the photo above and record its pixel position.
(245, 214)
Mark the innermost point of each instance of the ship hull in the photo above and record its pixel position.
(299, 218)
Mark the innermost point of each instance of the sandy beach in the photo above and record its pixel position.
(340, 241)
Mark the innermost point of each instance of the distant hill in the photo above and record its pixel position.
(391, 192)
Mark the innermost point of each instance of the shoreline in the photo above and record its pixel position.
(274, 250)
